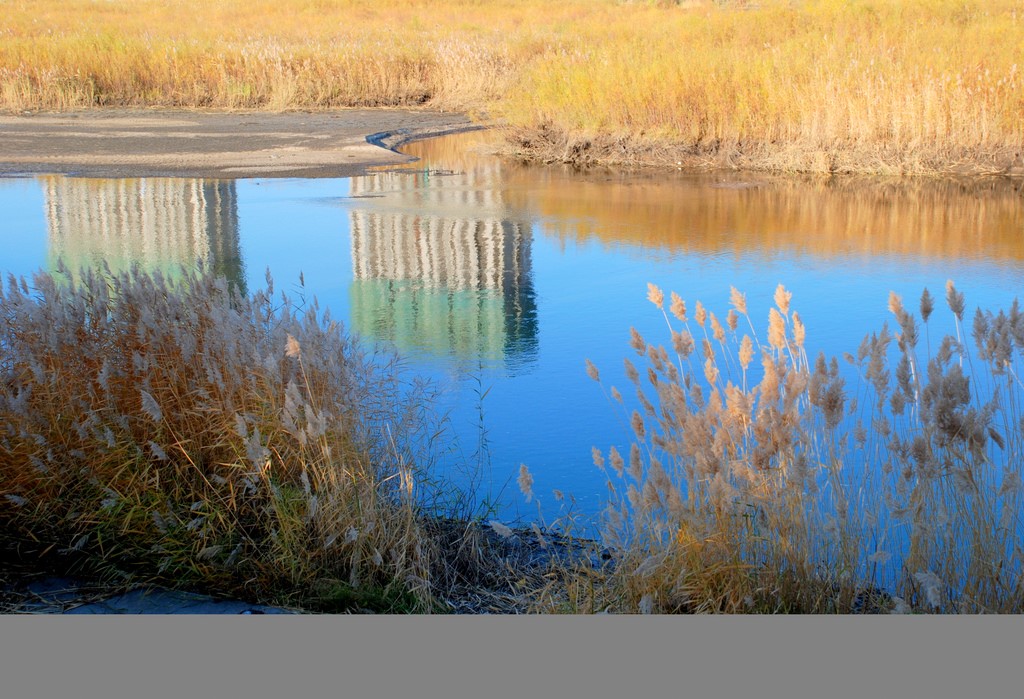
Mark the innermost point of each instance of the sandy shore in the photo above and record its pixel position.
(153, 143)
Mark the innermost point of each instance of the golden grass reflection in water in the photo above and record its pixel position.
(743, 212)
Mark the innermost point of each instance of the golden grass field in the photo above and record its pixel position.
(870, 86)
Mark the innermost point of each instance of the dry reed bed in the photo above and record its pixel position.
(230, 54)
(825, 86)
(760, 481)
(184, 433)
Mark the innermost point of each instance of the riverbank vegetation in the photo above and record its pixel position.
(183, 434)
(179, 432)
(759, 480)
(871, 86)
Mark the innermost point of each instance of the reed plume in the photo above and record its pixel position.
(826, 488)
(199, 436)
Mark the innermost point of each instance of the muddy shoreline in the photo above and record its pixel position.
(158, 142)
(549, 145)
(208, 144)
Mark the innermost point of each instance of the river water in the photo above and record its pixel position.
(498, 279)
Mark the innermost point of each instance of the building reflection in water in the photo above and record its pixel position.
(159, 223)
(440, 267)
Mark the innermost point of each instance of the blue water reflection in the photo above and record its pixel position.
(500, 279)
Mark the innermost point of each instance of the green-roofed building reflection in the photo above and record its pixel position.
(439, 267)
(157, 223)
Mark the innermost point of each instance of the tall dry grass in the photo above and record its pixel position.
(823, 86)
(762, 481)
(183, 432)
(887, 87)
(229, 54)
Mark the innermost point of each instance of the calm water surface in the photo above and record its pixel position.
(498, 280)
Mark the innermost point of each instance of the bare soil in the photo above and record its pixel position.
(153, 143)
(550, 144)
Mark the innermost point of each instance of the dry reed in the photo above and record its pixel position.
(803, 493)
(827, 86)
(183, 432)
(200, 437)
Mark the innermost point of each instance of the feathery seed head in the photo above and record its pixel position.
(615, 458)
(501, 529)
(717, 331)
(1011, 484)
(927, 305)
(710, 371)
(157, 451)
(682, 343)
(292, 349)
(799, 331)
(738, 300)
(631, 373)
(525, 482)
(637, 423)
(909, 327)
(700, 314)
(707, 350)
(678, 307)
(895, 304)
(931, 586)
(782, 298)
(776, 329)
(657, 356)
(637, 342)
(655, 295)
(150, 406)
(635, 463)
(898, 401)
(955, 300)
(746, 351)
(980, 332)
(732, 319)
(904, 375)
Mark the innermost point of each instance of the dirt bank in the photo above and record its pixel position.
(152, 143)
(550, 144)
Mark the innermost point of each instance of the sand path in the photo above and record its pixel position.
(153, 143)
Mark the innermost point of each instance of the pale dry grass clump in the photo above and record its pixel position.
(187, 433)
(788, 490)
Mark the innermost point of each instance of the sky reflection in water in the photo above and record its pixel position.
(491, 276)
